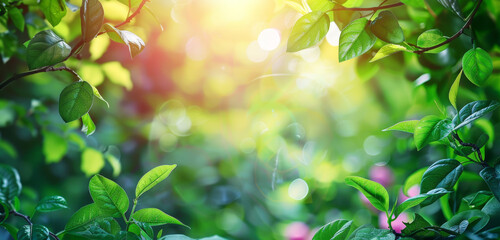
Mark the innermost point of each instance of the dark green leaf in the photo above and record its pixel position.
(153, 177)
(473, 111)
(430, 129)
(92, 17)
(10, 183)
(386, 28)
(134, 42)
(88, 126)
(95, 230)
(374, 234)
(39, 232)
(336, 230)
(414, 179)
(51, 203)
(126, 236)
(492, 177)
(16, 15)
(453, 6)
(155, 217)
(355, 39)
(477, 66)
(85, 215)
(432, 38)
(75, 100)
(375, 192)
(478, 199)
(108, 196)
(308, 31)
(442, 174)
(476, 218)
(404, 126)
(418, 223)
(46, 49)
(54, 10)
(414, 201)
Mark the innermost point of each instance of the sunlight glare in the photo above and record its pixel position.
(269, 39)
(255, 53)
(298, 189)
(333, 35)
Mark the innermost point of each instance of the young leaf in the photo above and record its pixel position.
(387, 50)
(92, 161)
(54, 10)
(492, 177)
(75, 100)
(477, 66)
(414, 179)
(430, 129)
(442, 174)
(92, 17)
(473, 111)
(46, 49)
(134, 42)
(375, 192)
(155, 217)
(454, 90)
(414, 201)
(355, 39)
(373, 233)
(108, 196)
(85, 215)
(386, 28)
(453, 6)
(16, 15)
(431, 38)
(51, 203)
(10, 186)
(469, 215)
(404, 126)
(98, 95)
(88, 126)
(308, 31)
(336, 230)
(153, 177)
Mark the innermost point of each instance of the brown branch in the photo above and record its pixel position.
(28, 220)
(368, 8)
(456, 35)
(35, 71)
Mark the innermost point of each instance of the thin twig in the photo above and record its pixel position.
(368, 8)
(34, 71)
(28, 220)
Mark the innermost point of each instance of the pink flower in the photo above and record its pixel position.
(297, 231)
(397, 224)
(382, 175)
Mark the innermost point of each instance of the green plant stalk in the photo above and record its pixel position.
(131, 213)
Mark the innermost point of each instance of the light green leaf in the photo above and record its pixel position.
(91, 17)
(404, 126)
(414, 3)
(473, 111)
(376, 193)
(117, 74)
(387, 50)
(308, 31)
(51, 203)
(414, 179)
(75, 100)
(153, 177)
(471, 216)
(92, 161)
(155, 217)
(454, 90)
(492, 177)
(386, 28)
(430, 129)
(88, 126)
(98, 95)
(46, 49)
(442, 174)
(477, 66)
(133, 3)
(355, 39)
(109, 196)
(16, 15)
(134, 42)
(54, 10)
(85, 215)
(54, 147)
(10, 186)
(336, 230)
(432, 38)
(112, 155)
(414, 201)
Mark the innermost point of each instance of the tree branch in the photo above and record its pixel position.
(456, 35)
(35, 71)
(28, 220)
(368, 8)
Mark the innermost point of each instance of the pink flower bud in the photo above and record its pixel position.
(297, 231)
(382, 175)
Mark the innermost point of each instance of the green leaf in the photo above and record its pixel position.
(51, 203)
(46, 49)
(122, 235)
(308, 31)
(85, 215)
(75, 100)
(54, 10)
(336, 230)
(88, 126)
(155, 217)
(54, 147)
(153, 177)
(404, 126)
(133, 3)
(10, 186)
(322, 5)
(414, 179)
(432, 38)
(38, 232)
(386, 28)
(109, 196)
(112, 155)
(375, 192)
(387, 50)
(98, 95)
(414, 3)
(454, 90)
(441, 174)
(473, 111)
(374, 234)
(478, 199)
(418, 223)
(134, 42)
(479, 218)
(414, 201)
(92, 161)
(92, 18)
(430, 129)
(117, 74)
(16, 15)
(355, 39)
(453, 6)
(477, 66)
(492, 177)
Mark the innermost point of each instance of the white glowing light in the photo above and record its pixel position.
(298, 189)
(310, 54)
(255, 53)
(333, 35)
(195, 49)
(269, 39)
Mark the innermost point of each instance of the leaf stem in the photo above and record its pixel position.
(28, 220)
(366, 9)
(456, 35)
(131, 213)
